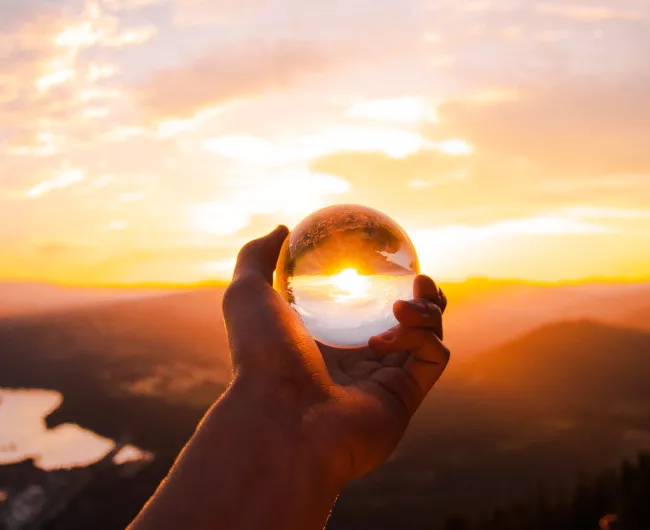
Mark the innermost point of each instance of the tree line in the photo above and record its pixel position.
(616, 500)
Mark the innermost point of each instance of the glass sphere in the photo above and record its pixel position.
(342, 268)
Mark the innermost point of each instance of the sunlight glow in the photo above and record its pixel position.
(351, 283)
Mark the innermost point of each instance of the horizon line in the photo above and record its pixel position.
(202, 284)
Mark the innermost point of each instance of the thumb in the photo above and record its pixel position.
(264, 332)
(250, 303)
(259, 257)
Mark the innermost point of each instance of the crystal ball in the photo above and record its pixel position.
(342, 268)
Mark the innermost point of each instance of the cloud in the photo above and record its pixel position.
(202, 136)
(295, 17)
(430, 187)
(133, 36)
(589, 13)
(455, 147)
(545, 225)
(406, 109)
(229, 73)
(291, 195)
(16, 13)
(252, 150)
(302, 45)
(576, 127)
(63, 179)
(55, 78)
(201, 13)
(218, 218)
(128, 5)
(591, 212)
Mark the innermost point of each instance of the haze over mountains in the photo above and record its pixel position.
(24, 298)
(638, 319)
(546, 382)
(483, 314)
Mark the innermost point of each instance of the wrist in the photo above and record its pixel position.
(247, 466)
(288, 483)
(288, 424)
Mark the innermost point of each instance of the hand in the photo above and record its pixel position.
(348, 408)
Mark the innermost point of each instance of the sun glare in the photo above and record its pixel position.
(351, 283)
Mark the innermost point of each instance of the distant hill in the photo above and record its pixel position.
(638, 319)
(568, 363)
(21, 298)
(486, 314)
(482, 313)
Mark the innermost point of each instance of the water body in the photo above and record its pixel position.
(24, 435)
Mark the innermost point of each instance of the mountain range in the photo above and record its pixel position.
(546, 384)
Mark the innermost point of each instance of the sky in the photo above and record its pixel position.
(147, 140)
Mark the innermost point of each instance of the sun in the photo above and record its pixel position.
(351, 284)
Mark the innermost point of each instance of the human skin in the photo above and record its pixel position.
(300, 420)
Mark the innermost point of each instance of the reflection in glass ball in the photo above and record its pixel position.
(342, 268)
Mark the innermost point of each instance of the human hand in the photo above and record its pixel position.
(347, 408)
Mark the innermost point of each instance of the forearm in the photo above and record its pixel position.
(245, 468)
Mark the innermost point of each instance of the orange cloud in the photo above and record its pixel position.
(592, 127)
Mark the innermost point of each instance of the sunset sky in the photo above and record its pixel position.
(147, 140)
